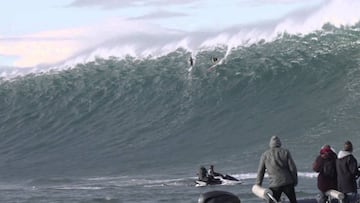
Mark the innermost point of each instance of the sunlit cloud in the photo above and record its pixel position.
(159, 15)
(128, 3)
(47, 47)
(281, 1)
(56, 45)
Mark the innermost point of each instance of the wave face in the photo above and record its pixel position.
(124, 116)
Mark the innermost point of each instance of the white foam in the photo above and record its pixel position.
(336, 12)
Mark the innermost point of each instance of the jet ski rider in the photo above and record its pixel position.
(204, 176)
(213, 173)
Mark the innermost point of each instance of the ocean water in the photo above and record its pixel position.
(137, 130)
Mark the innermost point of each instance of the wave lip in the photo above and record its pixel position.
(336, 12)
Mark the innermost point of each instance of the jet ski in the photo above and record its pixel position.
(218, 180)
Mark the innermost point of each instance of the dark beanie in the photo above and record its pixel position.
(348, 146)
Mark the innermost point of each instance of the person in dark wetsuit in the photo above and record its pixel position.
(213, 173)
(191, 61)
(202, 174)
(205, 177)
(214, 59)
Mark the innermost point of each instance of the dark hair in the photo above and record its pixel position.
(348, 146)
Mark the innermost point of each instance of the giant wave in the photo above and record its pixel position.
(110, 116)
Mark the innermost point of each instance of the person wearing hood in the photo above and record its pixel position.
(347, 173)
(281, 168)
(325, 165)
(202, 174)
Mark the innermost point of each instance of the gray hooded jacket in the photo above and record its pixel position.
(279, 165)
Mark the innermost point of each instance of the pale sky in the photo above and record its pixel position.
(34, 32)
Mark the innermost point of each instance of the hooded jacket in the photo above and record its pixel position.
(326, 158)
(347, 171)
(279, 165)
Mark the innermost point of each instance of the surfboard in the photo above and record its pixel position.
(211, 67)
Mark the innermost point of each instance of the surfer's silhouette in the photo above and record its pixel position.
(191, 61)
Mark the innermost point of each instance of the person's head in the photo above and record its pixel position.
(211, 167)
(348, 146)
(275, 141)
(325, 149)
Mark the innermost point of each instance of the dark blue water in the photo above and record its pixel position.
(131, 130)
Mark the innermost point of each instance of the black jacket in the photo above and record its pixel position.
(347, 172)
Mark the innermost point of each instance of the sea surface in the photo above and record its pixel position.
(126, 130)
